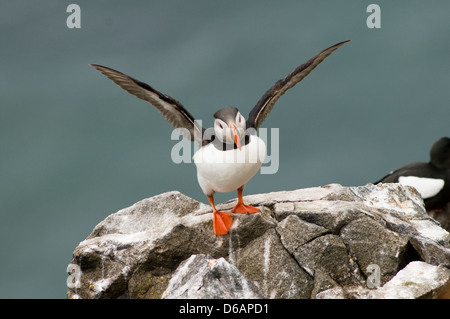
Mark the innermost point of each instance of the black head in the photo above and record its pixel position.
(440, 153)
(229, 126)
(227, 114)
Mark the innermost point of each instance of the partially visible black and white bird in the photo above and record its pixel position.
(431, 180)
(229, 157)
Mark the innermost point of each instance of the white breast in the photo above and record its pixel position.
(225, 171)
(427, 187)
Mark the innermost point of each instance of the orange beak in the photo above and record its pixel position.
(236, 138)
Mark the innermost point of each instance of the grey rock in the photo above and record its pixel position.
(295, 232)
(417, 280)
(326, 254)
(202, 277)
(269, 264)
(431, 251)
(443, 217)
(332, 293)
(318, 242)
(372, 243)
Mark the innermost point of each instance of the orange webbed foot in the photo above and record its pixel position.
(241, 208)
(222, 222)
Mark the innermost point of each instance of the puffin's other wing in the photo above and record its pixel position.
(266, 103)
(172, 110)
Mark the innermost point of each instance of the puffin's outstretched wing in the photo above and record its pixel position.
(266, 103)
(172, 110)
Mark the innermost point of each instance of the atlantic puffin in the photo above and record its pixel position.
(231, 153)
(431, 180)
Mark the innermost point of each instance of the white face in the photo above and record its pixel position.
(225, 131)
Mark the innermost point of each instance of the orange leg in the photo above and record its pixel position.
(221, 220)
(241, 208)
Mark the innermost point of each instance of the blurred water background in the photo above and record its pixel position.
(74, 147)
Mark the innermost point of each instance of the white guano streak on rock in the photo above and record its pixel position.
(267, 244)
(233, 252)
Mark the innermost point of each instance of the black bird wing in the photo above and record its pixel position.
(268, 100)
(172, 110)
(425, 170)
(418, 169)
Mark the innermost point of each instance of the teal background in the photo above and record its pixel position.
(75, 148)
